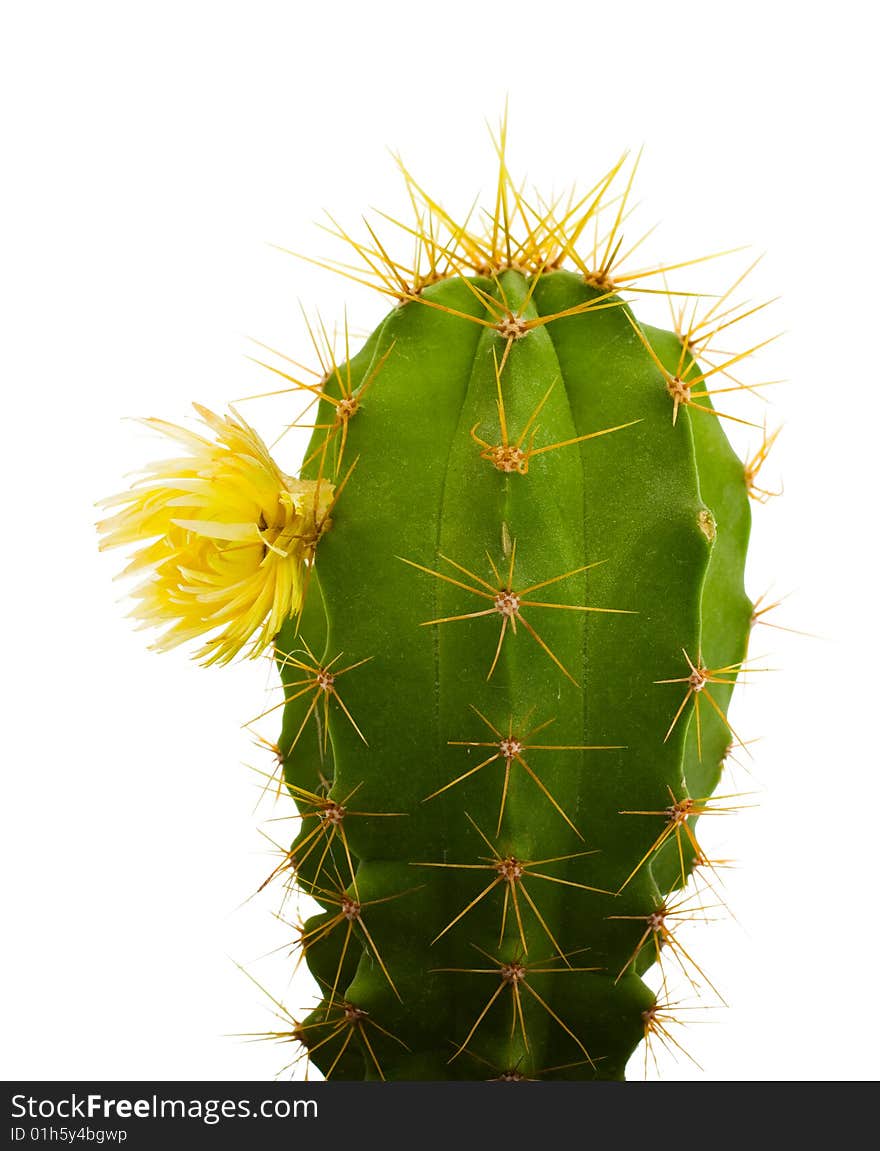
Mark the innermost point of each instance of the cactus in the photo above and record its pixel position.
(505, 599)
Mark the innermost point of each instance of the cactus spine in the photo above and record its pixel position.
(505, 693)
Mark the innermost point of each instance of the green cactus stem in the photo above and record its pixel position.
(540, 552)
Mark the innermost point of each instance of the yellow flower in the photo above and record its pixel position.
(225, 537)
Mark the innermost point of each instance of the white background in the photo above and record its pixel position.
(151, 153)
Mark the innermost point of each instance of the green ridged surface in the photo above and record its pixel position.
(631, 499)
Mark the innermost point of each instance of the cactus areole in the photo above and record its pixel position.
(505, 598)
